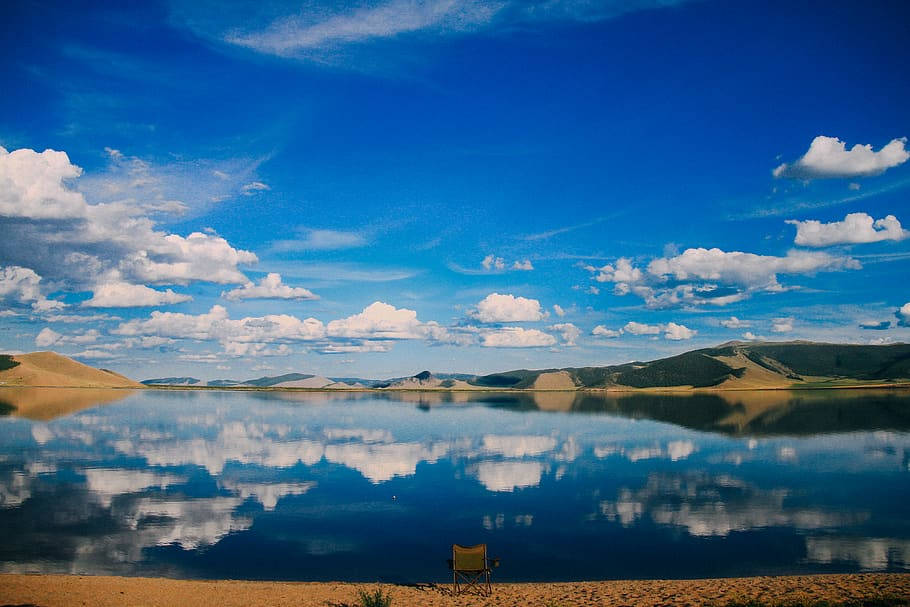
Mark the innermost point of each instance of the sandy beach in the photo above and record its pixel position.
(103, 591)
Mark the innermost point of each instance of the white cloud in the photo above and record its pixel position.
(516, 337)
(321, 240)
(523, 265)
(47, 337)
(745, 269)
(507, 308)
(602, 331)
(317, 29)
(93, 354)
(677, 332)
(125, 295)
(255, 186)
(637, 328)
(782, 325)
(32, 185)
(379, 321)
(270, 287)
(829, 157)
(621, 272)
(65, 238)
(508, 476)
(701, 276)
(903, 315)
(19, 284)
(854, 229)
(670, 330)
(491, 262)
(557, 309)
(735, 323)
(215, 325)
(567, 331)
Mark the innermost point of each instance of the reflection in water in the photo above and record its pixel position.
(48, 403)
(311, 485)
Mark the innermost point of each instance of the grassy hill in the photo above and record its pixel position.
(736, 366)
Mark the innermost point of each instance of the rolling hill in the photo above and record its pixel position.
(54, 370)
(735, 365)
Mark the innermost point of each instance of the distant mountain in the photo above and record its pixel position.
(55, 370)
(173, 381)
(426, 380)
(734, 365)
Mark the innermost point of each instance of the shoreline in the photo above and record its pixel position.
(103, 591)
(611, 390)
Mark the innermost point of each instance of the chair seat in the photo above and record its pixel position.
(471, 568)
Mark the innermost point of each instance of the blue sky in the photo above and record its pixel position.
(375, 188)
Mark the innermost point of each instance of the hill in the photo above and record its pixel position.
(173, 381)
(54, 370)
(733, 366)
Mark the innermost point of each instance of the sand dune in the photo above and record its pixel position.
(53, 370)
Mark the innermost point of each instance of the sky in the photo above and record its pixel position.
(371, 189)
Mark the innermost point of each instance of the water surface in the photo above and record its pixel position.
(561, 486)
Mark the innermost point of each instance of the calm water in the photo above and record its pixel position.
(378, 486)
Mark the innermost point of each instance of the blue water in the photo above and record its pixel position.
(376, 487)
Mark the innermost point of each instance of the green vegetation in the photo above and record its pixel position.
(7, 362)
(376, 598)
(690, 369)
(830, 360)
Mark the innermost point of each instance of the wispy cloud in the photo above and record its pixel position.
(320, 240)
(321, 30)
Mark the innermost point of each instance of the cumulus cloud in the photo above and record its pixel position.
(903, 315)
(523, 265)
(602, 331)
(491, 262)
(507, 308)
(677, 332)
(125, 295)
(215, 325)
(48, 337)
(379, 321)
(856, 228)
(22, 285)
(637, 328)
(567, 331)
(270, 287)
(516, 337)
(700, 276)
(782, 325)
(829, 157)
(735, 323)
(558, 310)
(57, 233)
(670, 330)
(745, 269)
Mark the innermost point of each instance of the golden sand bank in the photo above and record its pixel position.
(103, 591)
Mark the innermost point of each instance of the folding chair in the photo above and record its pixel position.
(471, 568)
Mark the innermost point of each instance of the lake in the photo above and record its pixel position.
(377, 486)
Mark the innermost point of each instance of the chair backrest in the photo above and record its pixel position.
(469, 558)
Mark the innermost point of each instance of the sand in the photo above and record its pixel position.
(63, 590)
